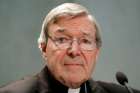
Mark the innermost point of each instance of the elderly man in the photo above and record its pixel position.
(70, 44)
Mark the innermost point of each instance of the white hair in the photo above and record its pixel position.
(65, 10)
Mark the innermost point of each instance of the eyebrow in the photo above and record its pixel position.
(61, 30)
(87, 34)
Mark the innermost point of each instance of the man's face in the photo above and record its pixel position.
(71, 66)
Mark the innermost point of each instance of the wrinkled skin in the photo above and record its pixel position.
(71, 66)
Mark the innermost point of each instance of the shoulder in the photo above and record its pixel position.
(110, 87)
(21, 86)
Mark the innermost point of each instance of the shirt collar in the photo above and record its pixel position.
(77, 90)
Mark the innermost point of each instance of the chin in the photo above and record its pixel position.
(73, 84)
(75, 81)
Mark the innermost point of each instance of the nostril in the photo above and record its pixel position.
(73, 53)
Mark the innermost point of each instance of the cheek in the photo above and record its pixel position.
(54, 60)
(54, 57)
(90, 63)
(52, 53)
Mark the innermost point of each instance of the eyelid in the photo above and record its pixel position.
(62, 32)
(88, 38)
(69, 38)
(58, 35)
(62, 37)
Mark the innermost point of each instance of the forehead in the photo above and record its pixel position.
(69, 24)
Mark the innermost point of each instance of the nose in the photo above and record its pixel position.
(74, 50)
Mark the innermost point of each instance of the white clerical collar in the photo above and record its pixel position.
(77, 90)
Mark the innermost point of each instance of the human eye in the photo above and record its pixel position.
(86, 41)
(61, 40)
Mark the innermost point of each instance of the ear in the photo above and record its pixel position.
(97, 53)
(43, 49)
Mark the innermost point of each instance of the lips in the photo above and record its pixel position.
(73, 63)
(73, 67)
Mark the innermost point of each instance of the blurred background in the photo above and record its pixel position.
(20, 25)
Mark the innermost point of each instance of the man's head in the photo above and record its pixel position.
(70, 43)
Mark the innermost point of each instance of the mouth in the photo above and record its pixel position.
(73, 65)
(73, 68)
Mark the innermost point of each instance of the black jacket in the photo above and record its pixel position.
(45, 83)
